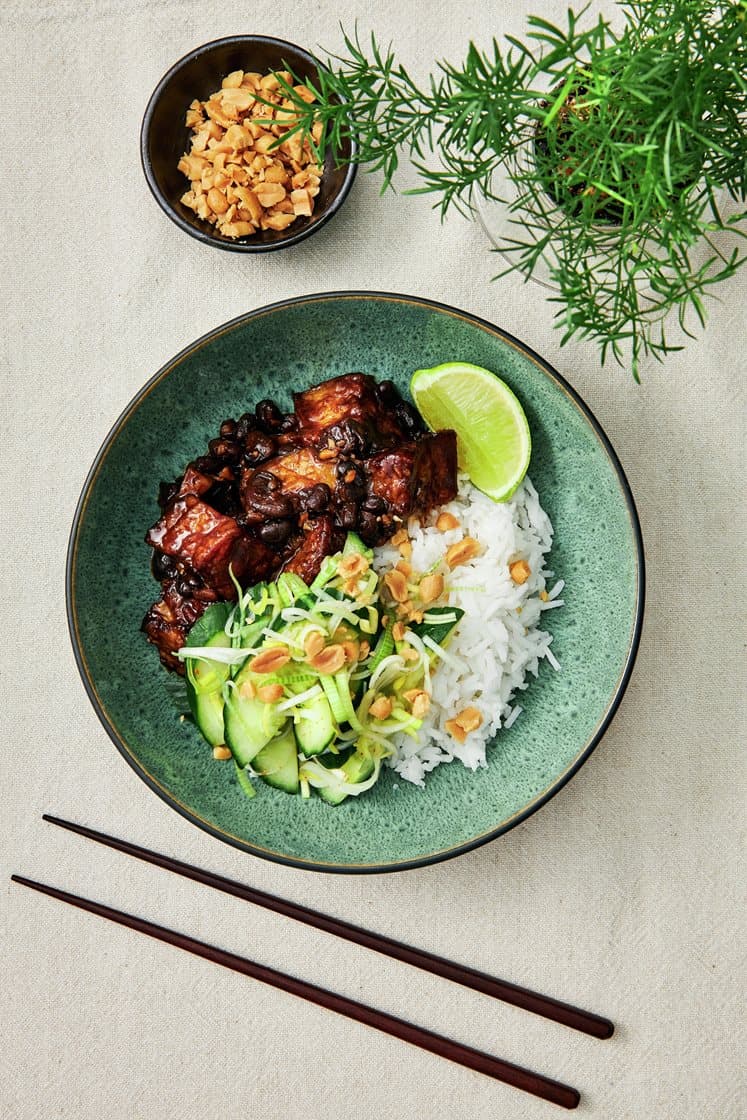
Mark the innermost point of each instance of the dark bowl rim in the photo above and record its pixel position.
(195, 231)
(545, 795)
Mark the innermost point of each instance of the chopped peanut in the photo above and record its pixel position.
(381, 708)
(397, 585)
(364, 650)
(222, 753)
(419, 700)
(302, 203)
(469, 719)
(353, 565)
(247, 691)
(314, 643)
(431, 587)
(398, 631)
(233, 80)
(460, 553)
(405, 548)
(329, 660)
(544, 596)
(404, 567)
(460, 726)
(409, 654)
(238, 140)
(446, 521)
(455, 730)
(270, 693)
(350, 649)
(519, 571)
(268, 194)
(270, 660)
(399, 537)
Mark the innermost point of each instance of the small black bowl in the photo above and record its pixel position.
(164, 137)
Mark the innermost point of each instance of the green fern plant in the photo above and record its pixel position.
(635, 135)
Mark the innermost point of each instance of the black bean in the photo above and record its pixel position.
(349, 436)
(368, 527)
(314, 499)
(275, 532)
(245, 424)
(187, 584)
(162, 566)
(289, 423)
(387, 393)
(408, 418)
(228, 429)
(347, 515)
(269, 416)
(263, 482)
(206, 464)
(268, 505)
(258, 447)
(374, 504)
(226, 449)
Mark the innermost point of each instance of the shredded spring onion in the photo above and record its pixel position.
(299, 698)
(439, 651)
(214, 653)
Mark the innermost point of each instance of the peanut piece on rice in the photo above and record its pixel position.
(463, 551)
(519, 571)
(446, 521)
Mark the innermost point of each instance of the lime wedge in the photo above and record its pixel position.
(493, 440)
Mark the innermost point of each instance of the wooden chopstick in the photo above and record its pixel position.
(520, 1078)
(549, 1008)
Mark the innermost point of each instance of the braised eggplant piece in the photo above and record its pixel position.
(277, 491)
(413, 478)
(319, 538)
(207, 542)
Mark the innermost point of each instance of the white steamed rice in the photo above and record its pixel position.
(499, 639)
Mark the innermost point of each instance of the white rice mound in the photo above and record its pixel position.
(499, 639)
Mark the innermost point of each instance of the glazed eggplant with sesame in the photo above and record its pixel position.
(278, 493)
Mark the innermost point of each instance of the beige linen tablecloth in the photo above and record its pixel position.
(621, 894)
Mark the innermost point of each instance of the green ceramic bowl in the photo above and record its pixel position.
(598, 551)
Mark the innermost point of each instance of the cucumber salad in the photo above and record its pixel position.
(305, 685)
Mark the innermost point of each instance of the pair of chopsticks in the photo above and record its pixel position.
(511, 1074)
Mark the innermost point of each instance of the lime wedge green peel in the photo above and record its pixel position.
(493, 440)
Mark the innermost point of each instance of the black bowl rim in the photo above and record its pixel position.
(195, 231)
(545, 795)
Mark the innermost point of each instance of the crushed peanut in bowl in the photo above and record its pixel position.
(243, 176)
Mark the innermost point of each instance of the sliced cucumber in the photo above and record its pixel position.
(356, 768)
(207, 709)
(384, 646)
(209, 623)
(337, 691)
(249, 723)
(333, 697)
(277, 763)
(205, 679)
(315, 727)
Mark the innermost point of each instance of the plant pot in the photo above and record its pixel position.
(510, 214)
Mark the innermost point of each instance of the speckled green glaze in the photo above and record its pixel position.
(597, 551)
